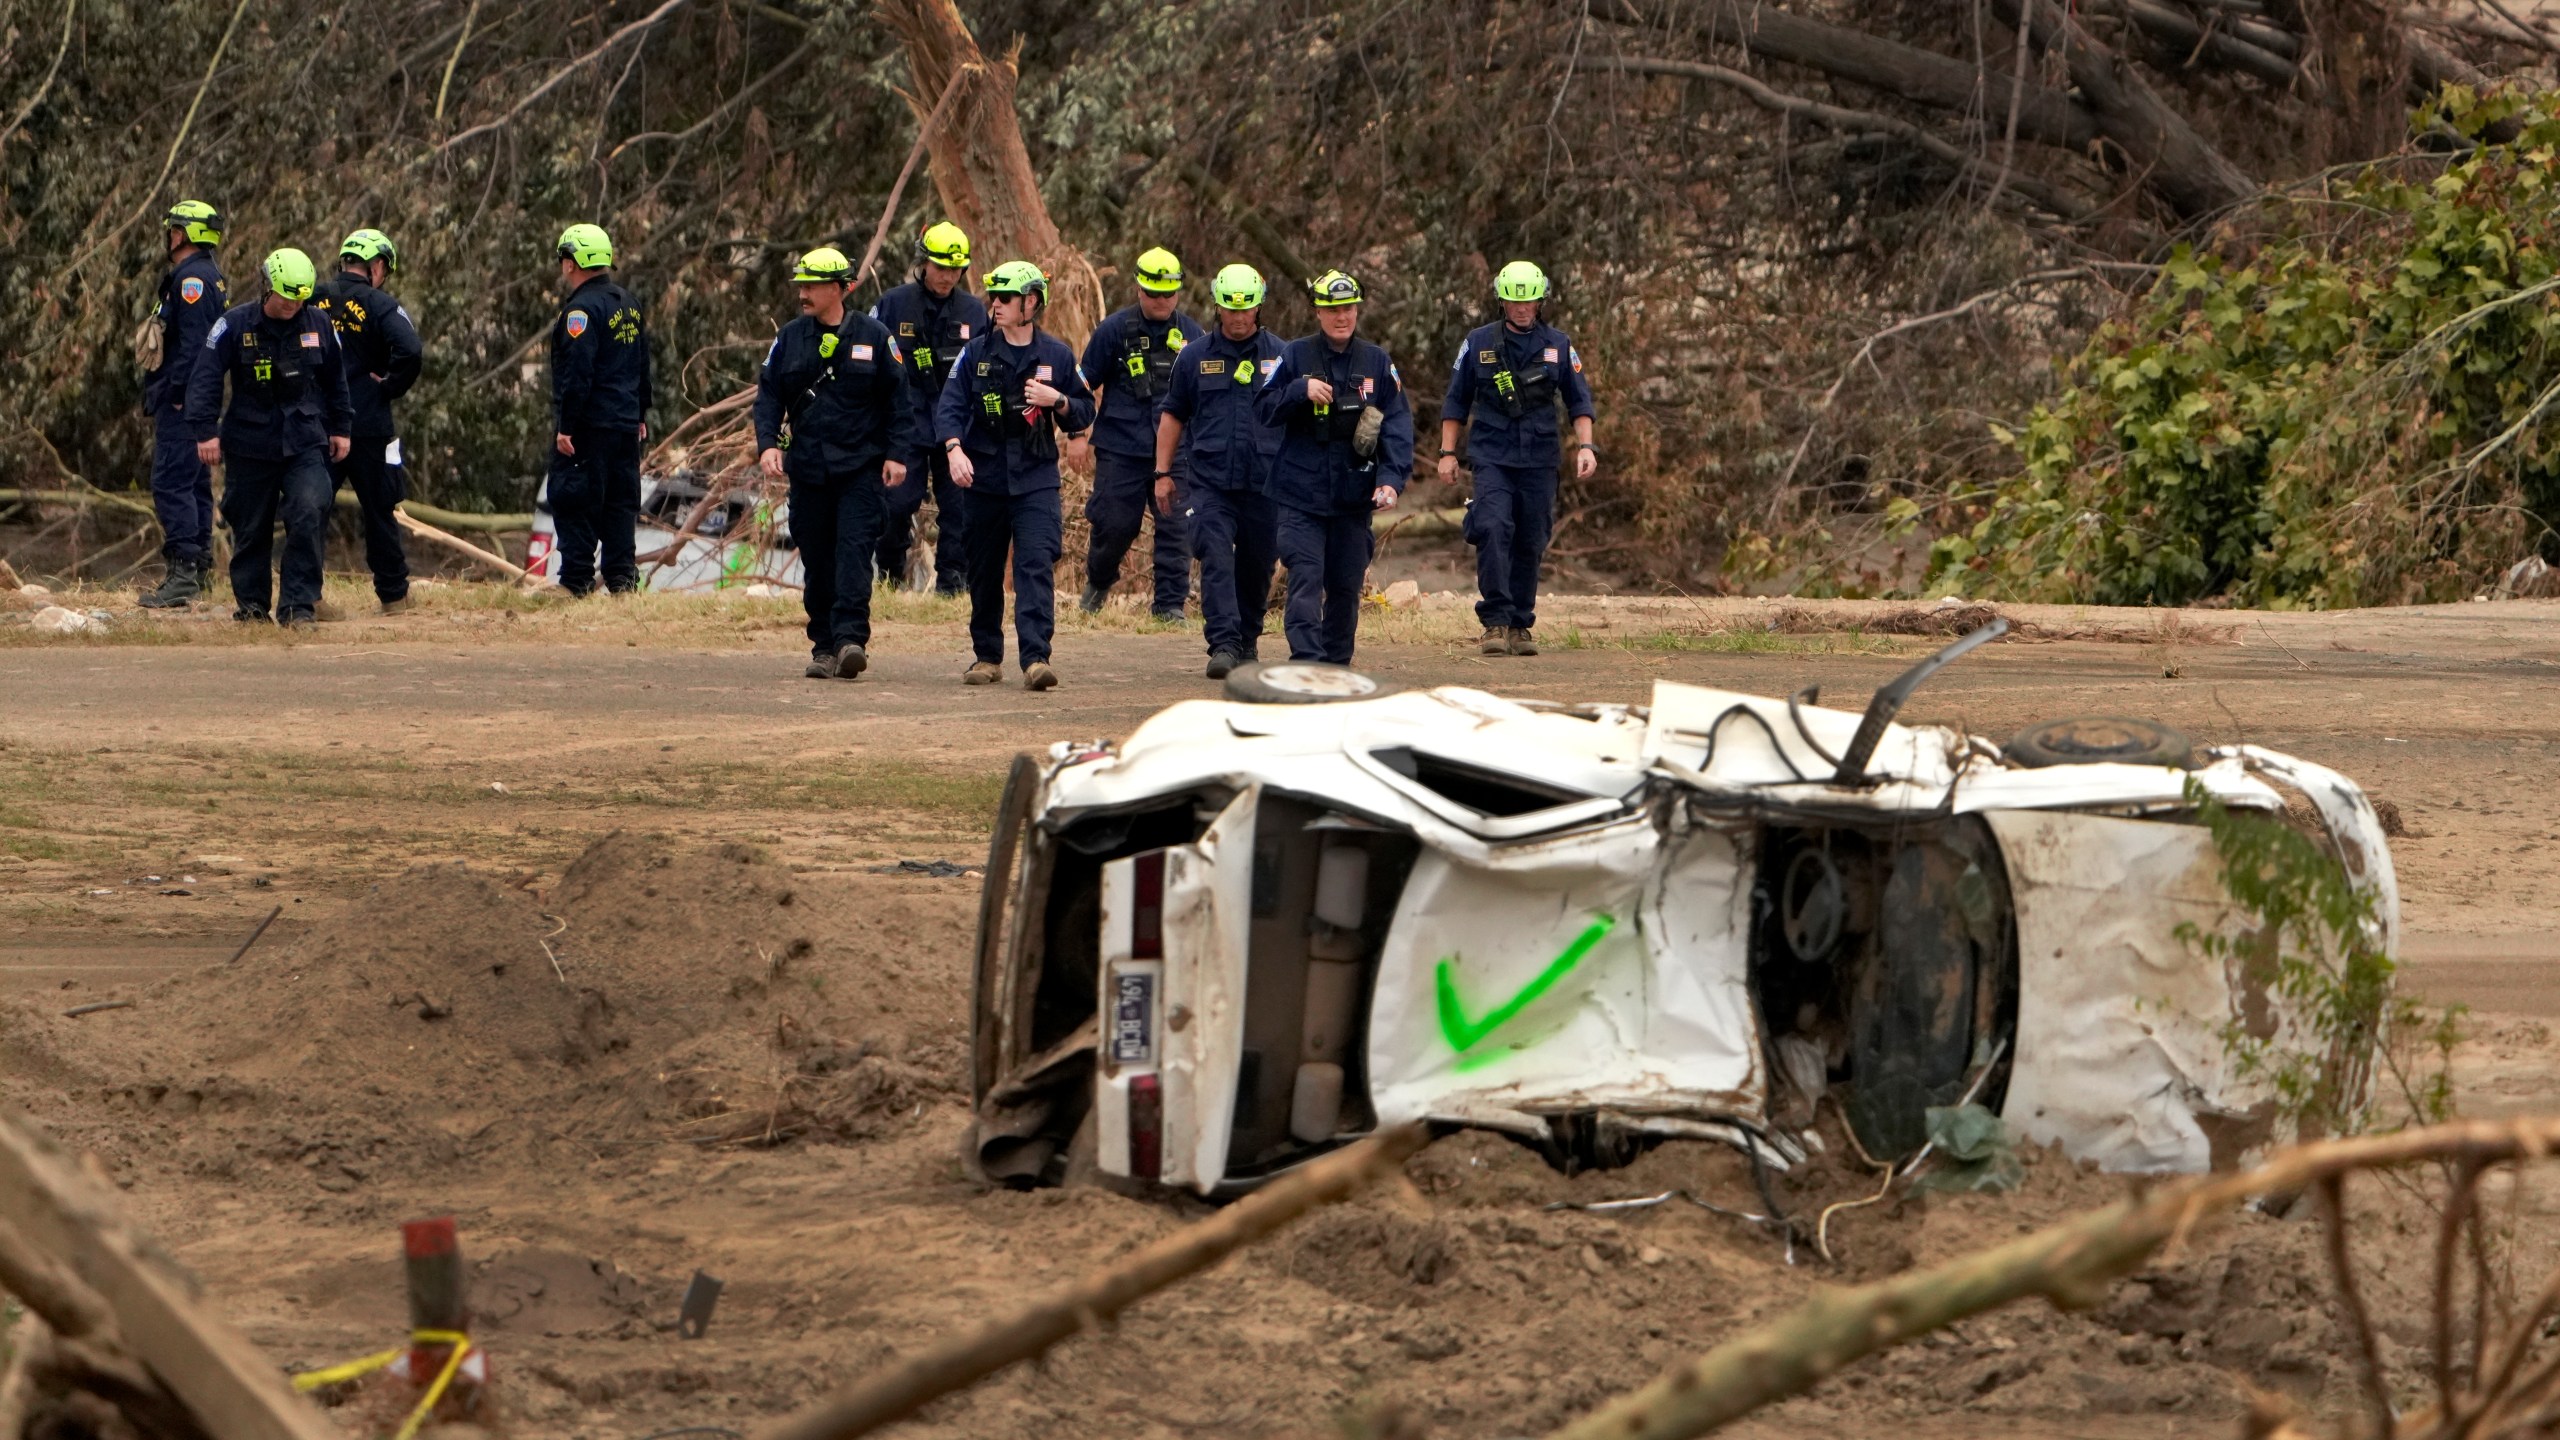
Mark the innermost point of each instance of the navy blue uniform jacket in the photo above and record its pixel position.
(843, 391)
(192, 297)
(1013, 448)
(379, 340)
(1225, 445)
(288, 384)
(1544, 368)
(930, 334)
(1314, 469)
(599, 360)
(1130, 358)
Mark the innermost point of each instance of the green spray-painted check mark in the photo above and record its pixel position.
(1462, 1033)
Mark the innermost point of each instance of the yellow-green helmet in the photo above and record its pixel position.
(1159, 272)
(1018, 277)
(822, 265)
(290, 274)
(1332, 288)
(369, 245)
(945, 244)
(201, 222)
(1521, 280)
(587, 247)
(1238, 287)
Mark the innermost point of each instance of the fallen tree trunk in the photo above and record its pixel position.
(2180, 166)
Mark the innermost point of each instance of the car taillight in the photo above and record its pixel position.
(1146, 1127)
(1146, 927)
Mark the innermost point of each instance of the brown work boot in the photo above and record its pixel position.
(851, 661)
(1521, 644)
(1038, 676)
(821, 666)
(1496, 641)
(401, 606)
(985, 672)
(329, 610)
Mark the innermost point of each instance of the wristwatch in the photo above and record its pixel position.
(1448, 454)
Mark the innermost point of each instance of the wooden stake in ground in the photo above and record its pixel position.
(912, 1384)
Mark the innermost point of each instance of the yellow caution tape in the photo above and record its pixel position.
(365, 1365)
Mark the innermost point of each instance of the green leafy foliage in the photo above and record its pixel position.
(2316, 948)
(2345, 399)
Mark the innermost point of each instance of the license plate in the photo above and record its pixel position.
(1133, 1014)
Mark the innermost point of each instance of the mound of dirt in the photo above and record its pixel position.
(658, 991)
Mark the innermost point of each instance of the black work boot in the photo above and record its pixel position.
(822, 665)
(1220, 663)
(1094, 595)
(851, 661)
(182, 584)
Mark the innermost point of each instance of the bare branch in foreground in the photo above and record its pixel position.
(919, 1380)
(2072, 1265)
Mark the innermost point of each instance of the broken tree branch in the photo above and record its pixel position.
(907, 1387)
(70, 12)
(2073, 1265)
(2177, 164)
(454, 59)
(640, 26)
(1256, 226)
(1963, 162)
(457, 544)
(897, 192)
(227, 1387)
(176, 142)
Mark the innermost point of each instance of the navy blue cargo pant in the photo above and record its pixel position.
(928, 472)
(595, 503)
(1030, 529)
(836, 519)
(1236, 535)
(181, 491)
(255, 494)
(1328, 558)
(1124, 497)
(1510, 522)
(380, 486)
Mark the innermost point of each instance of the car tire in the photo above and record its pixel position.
(2101, 740)
(1297, 682)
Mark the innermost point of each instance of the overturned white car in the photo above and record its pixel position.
(1254, 931)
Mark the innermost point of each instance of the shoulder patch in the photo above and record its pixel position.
(191, 289)
(575, 322)
(213, 337)
(1577, 358)
(895, 357)
(404, 314)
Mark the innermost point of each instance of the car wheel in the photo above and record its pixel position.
(2099, 740)
(1298, 683)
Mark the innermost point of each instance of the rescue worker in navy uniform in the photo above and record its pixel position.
(1129, 361)
(383, 358)
(930, 317)
(1346, 450)
(288, 421)
(600, 413)
(1208, 420)
(1013, 390)
(192, 297)
(836, 380)
(1509, 376)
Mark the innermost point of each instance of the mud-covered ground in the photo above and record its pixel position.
(589, 944)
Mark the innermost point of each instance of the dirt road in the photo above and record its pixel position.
(766, 1084)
